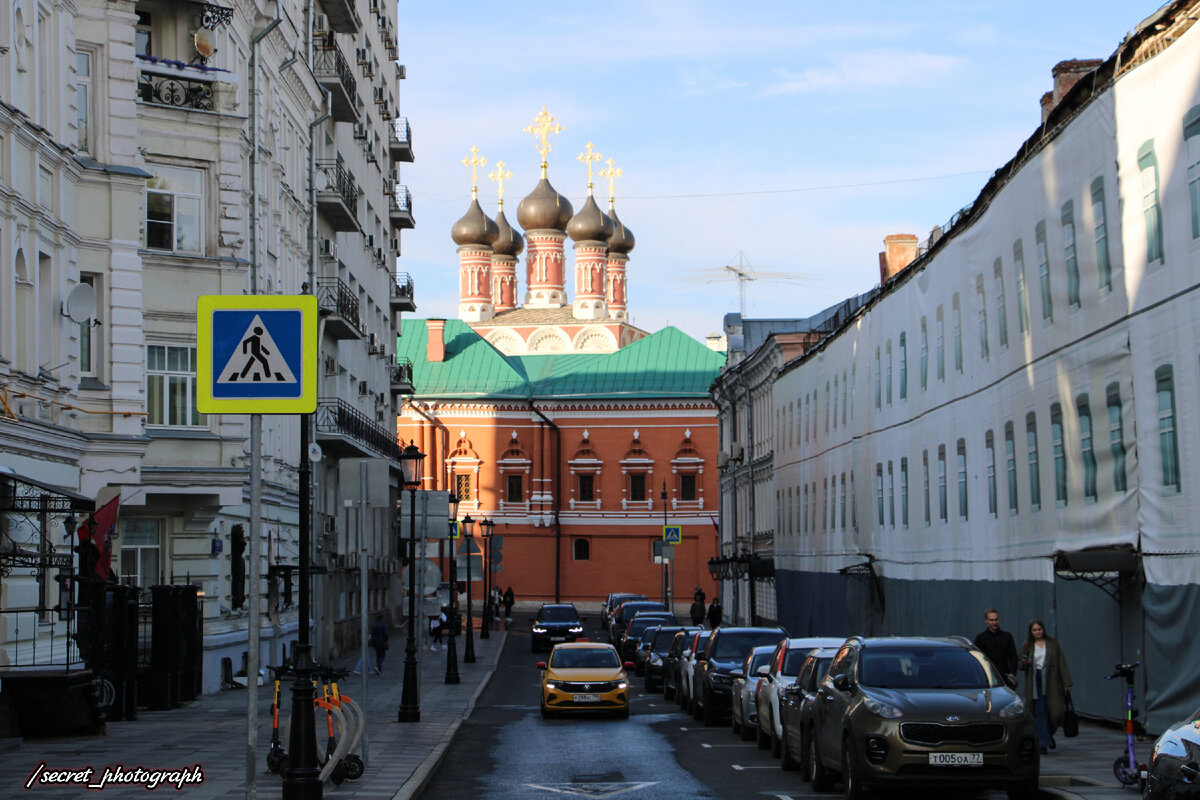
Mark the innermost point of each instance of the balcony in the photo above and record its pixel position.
(342, 16)
(401, 376)
(164, 82)
(344, 431)
(333, 71)
(400, 142)
(338, 198)
(400, 208)
(402, 293)
(338, 308)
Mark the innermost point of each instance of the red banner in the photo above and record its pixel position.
(99, 527)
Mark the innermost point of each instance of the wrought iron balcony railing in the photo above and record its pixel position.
(339, 179)
(336, 416)
(335, 297)
(328, 62)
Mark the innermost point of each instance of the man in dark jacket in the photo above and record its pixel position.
(714, 613)
(998, 646)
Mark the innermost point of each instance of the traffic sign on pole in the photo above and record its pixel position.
(672, 534)
(256, 354)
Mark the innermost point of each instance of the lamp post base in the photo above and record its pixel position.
(302, 778)
(410, 709)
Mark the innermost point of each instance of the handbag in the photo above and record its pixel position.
(1070, 723)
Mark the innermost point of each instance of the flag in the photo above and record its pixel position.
(99, 527)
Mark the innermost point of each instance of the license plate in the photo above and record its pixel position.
(956, 759)
(587, 698)
(558, 638)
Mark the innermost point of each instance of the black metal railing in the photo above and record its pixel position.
(177, 92)
(336, 416)
(41, 638)
(328, 62)
(340, 180)
(401, 132)
(401, 200)
(335, 297)
(403, 286)
(401, 370)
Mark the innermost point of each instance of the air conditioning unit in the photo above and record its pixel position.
(363, 391)
(369, 241)
(373, 344)
(360, 131)
(386, 111)
(722, 459)
(369, 70)
(379, 254)
(331, 366)
(376, 6)
(362, 55)
(330, 525)
(736, 451)
(370, 155)
(396, 245)
(328, 249)
(379, 94)
(401, 72)
(320, 23)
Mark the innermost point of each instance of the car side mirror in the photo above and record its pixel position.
(842, 683)
(541, 665)
(737, 674)
(764, 671)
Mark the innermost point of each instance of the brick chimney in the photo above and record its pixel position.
(899, 250)
(435, 348)
(1066, 74)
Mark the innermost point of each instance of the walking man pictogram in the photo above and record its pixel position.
(252, 345)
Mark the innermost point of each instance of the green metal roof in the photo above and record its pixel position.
(667, 363)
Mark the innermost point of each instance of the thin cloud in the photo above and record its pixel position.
(865, 70)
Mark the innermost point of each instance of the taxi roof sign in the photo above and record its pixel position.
(256, 354)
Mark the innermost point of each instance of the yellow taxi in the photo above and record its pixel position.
(584, 676)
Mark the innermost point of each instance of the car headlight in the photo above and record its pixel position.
(622, 685)
(721, 677)
(882, 709)
(551, 686)
(1013, 710)
(536, 629)
(577, 629)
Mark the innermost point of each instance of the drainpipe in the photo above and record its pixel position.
(557, 497)
(748, 460)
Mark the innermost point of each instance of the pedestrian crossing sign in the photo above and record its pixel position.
(672, 534)
(256, 354)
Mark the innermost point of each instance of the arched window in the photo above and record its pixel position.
(582, 550)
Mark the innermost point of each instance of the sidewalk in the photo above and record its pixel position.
(1082, 767)
(212, 732)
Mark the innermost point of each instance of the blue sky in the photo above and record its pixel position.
(799, 133)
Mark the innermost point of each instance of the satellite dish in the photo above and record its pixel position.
(206, 42)
(314, 452)
(81, 303)
(321, 180)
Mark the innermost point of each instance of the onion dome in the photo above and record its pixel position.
(474, 228)
(622, 240)
(509, 242)
(590, 224)
(544, 209)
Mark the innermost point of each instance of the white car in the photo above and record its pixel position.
(683, 695)
(744, 708)
(778, 674)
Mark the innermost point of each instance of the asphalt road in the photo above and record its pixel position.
(506, 750)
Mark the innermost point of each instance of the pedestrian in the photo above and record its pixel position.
(509, 599)
(1047, 681)
(379, 641)
(436, 627)
(697, 612)
(714, 613)
(698, 595)
(999, 647)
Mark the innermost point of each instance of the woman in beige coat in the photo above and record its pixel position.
(1047, 681)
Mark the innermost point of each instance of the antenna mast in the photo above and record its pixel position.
(743, 274)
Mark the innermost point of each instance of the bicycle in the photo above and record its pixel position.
(1126, 768)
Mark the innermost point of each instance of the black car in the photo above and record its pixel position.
(1174, 769)
(555, 623)
(610, 607)
(626, 612)
(727, 649)
(632, 639)
(656, 648)
(672, 662)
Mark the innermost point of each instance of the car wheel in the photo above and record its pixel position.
(820, 777)
(850, 776)
(681, 696)
(710, 710)
(786, 761)
(760, 733)
(624, 712)
(547, 713)
(747, 732)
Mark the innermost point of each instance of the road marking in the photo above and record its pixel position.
(741, 768)
(710, 746)
(594, 790)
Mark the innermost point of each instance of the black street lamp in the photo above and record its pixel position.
(452, 676)
(486, 526)
(410, 706)
(468, 528)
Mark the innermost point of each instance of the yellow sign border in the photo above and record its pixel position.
(306, 403)
(666, 528)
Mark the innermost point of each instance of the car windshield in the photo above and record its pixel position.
(662, 638)
(558, 614)
(794, 660)
(923, 668)
(628, 610)
(757, 660)
(641, 623)
(736, 646)
(584, 658)
(701, 641)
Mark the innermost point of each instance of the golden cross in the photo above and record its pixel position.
(589, 158)
(544, 125)
(500, 175)
(612, 173)
(474, 161)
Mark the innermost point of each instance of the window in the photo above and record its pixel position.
(1010, 463)
(904, 492)
(903, 366)
(924, 355)
(962, 478)
(1191, 133)
(581, 550)
(1086, 447)
(173, 209)
(958, 345)
(1060, 454)
(843, 501)
(1043, 257)
(878, 379)
(1022, 293)
(853, 388)
(514, 490)
(142, 37)
(1069, 261)
(587, 488)
(825, 522)
(1168, 444)
(140, 552)
(853, 503)
(891, 487)
(804, 511)
(845, 391)
(1148, 165)
(687, 488)
(637, 488)
(835, 403)
(83, 99)
(888, 375)
(171, 386)
(943, 503)
(1103, 265)
(1031, 448)
(87, 339)
(1001, 311)
(925, 481)
(833, 503)
(462, 488)
(827, 406)
(989, 448)
(941, 345)
(813, 507)
(879, 491)
(981, 300)
(1116, 435)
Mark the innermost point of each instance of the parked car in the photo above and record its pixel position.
(795, 709)
(744, 710)
(779, 674)
(920, 713)
(1174, 769)
(687, 668)
(610, 605)
(673, 662)
(554, 623)
(632, 638)
(656, 653)
(711, 681)
(584, 676)
(625, 612)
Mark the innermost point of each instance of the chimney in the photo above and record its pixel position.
(435, 348)
(899, 250)
(1066, 74)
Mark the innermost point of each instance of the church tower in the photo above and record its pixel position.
(505, 250)
(544, 214)
(620, 244)
(590, 230)
(474, 234)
